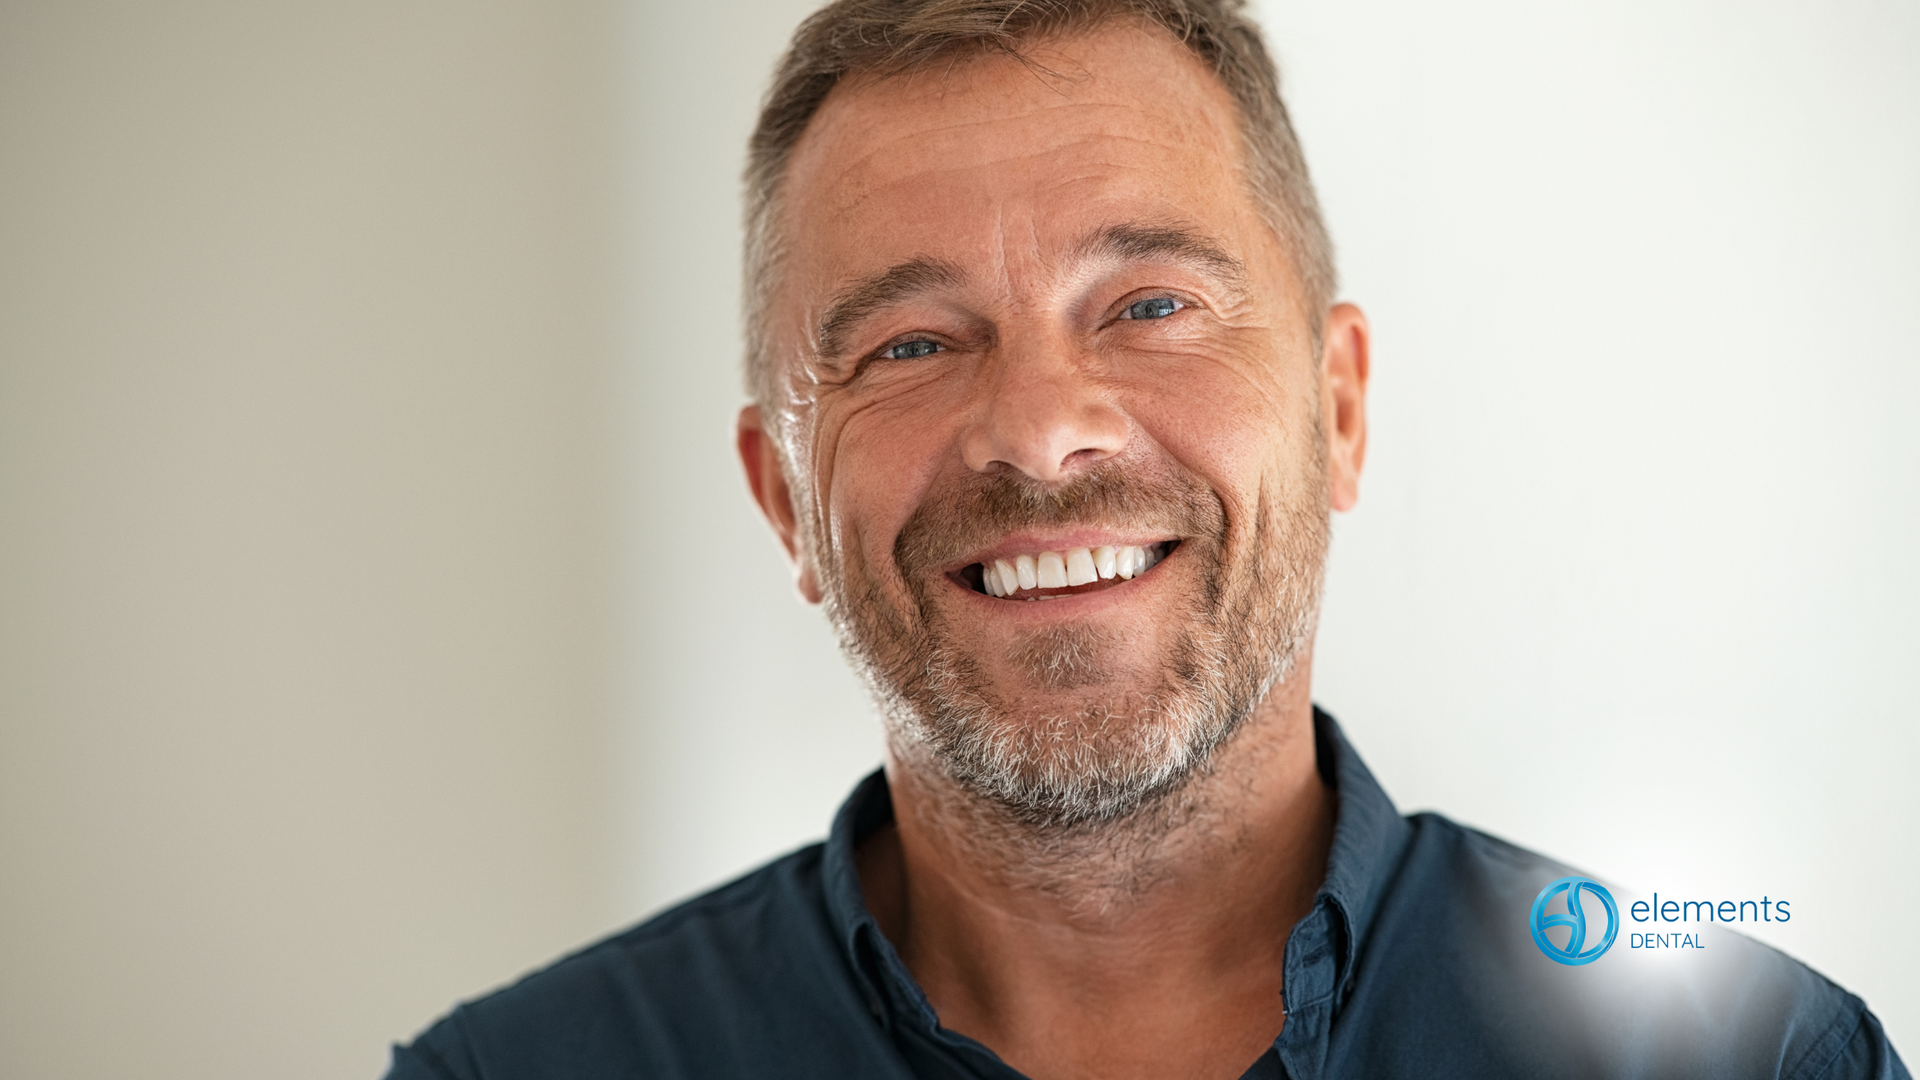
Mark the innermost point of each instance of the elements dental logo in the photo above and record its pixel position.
(1575, 951)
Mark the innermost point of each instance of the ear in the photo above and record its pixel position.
(766, 475)
(1344, 360)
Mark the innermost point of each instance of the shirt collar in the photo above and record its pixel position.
(1368, 838)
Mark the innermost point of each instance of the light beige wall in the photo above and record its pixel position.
(302, 528)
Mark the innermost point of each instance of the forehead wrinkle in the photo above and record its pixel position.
(965, 113)
(1004, 272)
(845, 142)
(874, 164)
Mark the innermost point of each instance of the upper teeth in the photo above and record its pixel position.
(1060, 570)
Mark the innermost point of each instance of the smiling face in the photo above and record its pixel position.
(1050, 433)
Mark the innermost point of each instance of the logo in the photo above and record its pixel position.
(1576, 950)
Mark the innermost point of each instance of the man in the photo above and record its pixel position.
(1052, 404)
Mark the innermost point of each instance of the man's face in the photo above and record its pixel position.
(1051, 417)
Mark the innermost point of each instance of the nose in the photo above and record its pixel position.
(1044, 413)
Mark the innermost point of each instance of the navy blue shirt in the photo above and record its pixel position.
(1417, 960)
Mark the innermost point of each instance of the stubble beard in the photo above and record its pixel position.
(1113, 753)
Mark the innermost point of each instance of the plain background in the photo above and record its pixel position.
(381, 612)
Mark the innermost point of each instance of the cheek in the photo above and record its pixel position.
(885, 455)
(1236, 425)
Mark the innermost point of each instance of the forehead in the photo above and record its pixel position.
(979, 156)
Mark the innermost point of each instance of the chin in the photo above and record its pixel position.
(1061, 757)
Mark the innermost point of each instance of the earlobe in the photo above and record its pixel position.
(767, 478)
(805, 581)
(1346, 364)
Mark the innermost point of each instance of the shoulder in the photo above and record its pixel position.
(728, 983)
(1452, 942)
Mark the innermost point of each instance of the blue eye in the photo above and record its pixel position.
(912, 350)
(1157, 307)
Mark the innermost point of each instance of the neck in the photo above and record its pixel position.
(1126, 948)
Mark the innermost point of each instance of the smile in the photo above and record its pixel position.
(1046, 575)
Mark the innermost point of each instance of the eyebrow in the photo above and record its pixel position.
(896, 284)
(1166, 243)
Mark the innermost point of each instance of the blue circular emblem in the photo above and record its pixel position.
(1576, 950)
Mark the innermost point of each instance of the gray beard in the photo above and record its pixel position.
(1113, 757)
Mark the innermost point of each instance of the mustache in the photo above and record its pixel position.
(966, 514)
